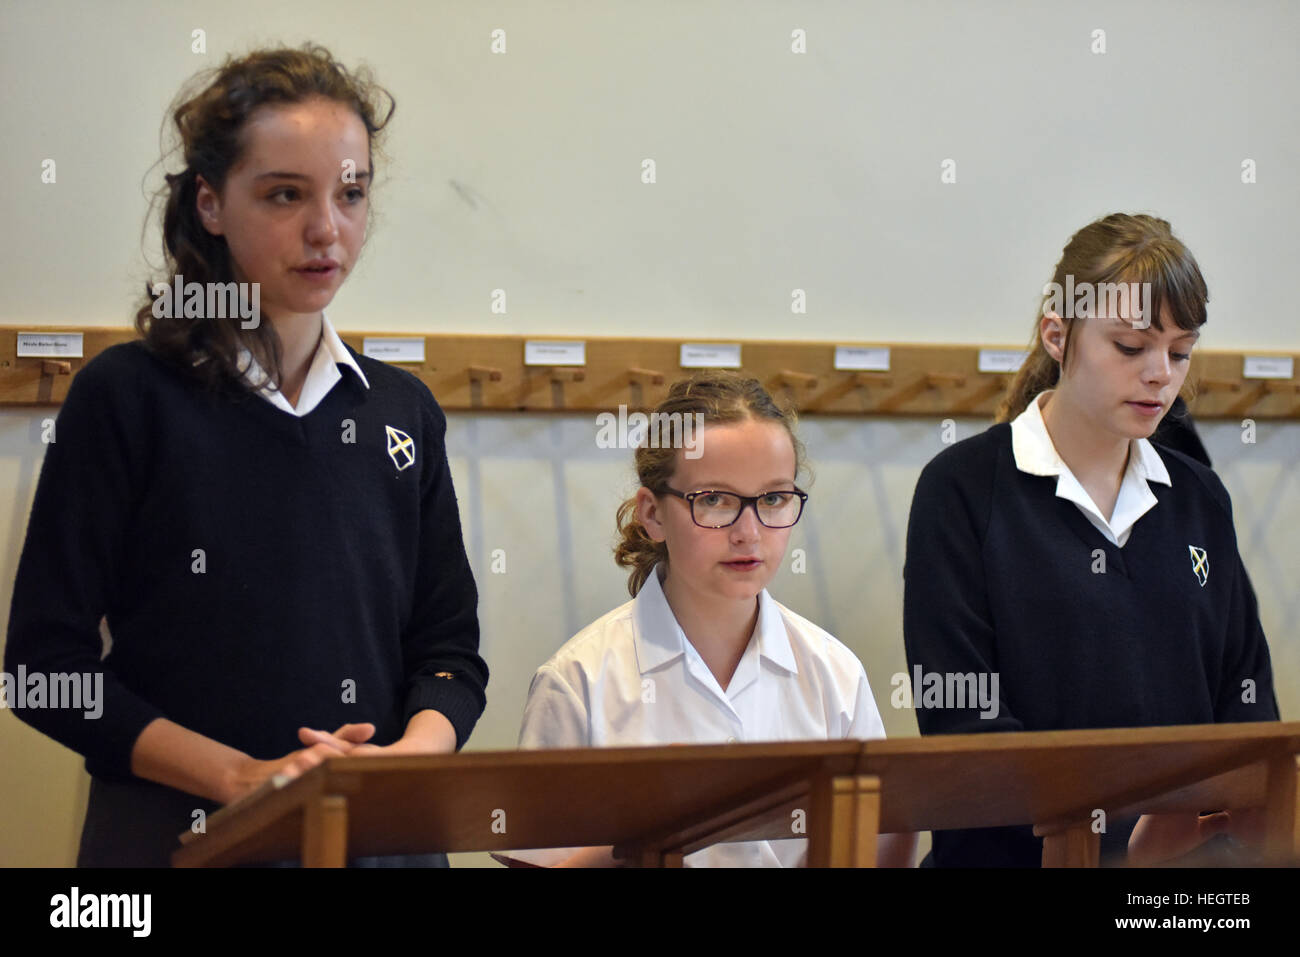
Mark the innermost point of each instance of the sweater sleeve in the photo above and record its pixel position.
(80, 516)
(1245, 690)
(947, 625)
(441, 640)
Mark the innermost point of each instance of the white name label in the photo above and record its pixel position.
(1001, 360)
(48, 345)
(859, 359)
(710, 355)
(555, 353)
(393, 349)
(1269, 367)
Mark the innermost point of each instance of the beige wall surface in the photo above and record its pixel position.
(775, 170)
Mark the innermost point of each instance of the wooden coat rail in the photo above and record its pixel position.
(467, 372)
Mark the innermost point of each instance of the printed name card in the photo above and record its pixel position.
(546, 353)
(710, 355)
(1002, 360)
(393, 349)
(1269, 367)
(861, 359)
(49, 345)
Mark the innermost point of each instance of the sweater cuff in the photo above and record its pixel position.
(449, 697)
(111, 755)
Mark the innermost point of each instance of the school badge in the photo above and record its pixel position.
(401, 448)
(1200, 564)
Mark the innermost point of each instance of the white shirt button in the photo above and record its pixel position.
(731, 741)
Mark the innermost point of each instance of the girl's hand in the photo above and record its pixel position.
(1162, 837)
(345, 739)
(428, 732)
(399, 747)
(249, 774)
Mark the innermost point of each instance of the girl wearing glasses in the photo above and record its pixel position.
(1095, 573)
(703, 654)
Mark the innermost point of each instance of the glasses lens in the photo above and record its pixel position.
(716, 509)
(775, 509)
(779, 509)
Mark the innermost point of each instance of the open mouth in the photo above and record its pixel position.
(1147, 408)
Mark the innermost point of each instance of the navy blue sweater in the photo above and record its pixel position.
(1002, 576)
(258, 571)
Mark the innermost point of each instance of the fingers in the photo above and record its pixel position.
(356, 733)
(341, 745)
(303, 761)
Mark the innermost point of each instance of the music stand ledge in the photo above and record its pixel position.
(657, 804)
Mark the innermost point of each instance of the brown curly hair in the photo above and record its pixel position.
(209, 124)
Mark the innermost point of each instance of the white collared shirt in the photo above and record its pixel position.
(1036, 454)
(633, 678)
(321, 375)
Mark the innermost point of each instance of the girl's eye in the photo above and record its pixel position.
(1128, 350)
(282, 192)
(772, 499)
(357, 195)
(1181, 356)
(712, 500)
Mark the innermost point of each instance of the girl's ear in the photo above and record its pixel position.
(647, 513)
(209, 206)
(1052, 333)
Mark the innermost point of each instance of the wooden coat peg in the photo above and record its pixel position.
(907, 393)
(559, 374)
(637, 380)
(797, 380)
(1218, 385)
(477, 376)
(988, 390)
(1250, 398)
(638, 376)
(49, 369)
(869, 380)
(930, 380)
(937, 380)
(1285, 387)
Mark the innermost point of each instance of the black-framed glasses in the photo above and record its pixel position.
(712, 508)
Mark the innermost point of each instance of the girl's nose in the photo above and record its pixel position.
(322, 231)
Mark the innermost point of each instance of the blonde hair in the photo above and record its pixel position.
(1117, 248)
(719, 397)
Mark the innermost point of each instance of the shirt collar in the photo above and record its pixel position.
(338, 351)
(1035, 453)
(322, 374)
(659, 639)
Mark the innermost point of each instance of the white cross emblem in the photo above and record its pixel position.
(401, 448)
(1200, 564)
